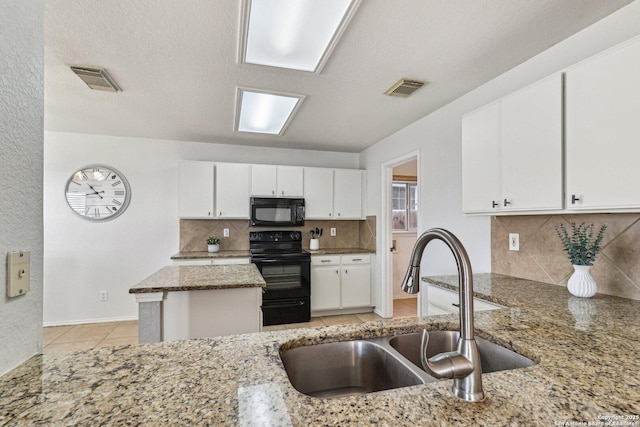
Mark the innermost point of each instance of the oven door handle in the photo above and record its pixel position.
(280, 260)
(285, 305)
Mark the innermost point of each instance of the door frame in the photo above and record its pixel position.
(386, 229)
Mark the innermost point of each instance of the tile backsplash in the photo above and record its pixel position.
(542, 258)
(349, 234)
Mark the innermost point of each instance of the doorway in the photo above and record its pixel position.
(400, 225)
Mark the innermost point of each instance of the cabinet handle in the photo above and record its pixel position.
(329, 213)
(325, 260)
(220, 214)
(506, 202)
(346, 271)
(273, 192)
(209, 214)
(337, 272)
(357, 259)
(283, 192)
(455, 305)
(338, 213)
(494, 204)
(574, 199)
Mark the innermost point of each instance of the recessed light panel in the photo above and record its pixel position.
(295, 34)
(263, 112)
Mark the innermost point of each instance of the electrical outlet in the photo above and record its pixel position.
(104, 295)
(333, 231)
(514, 241)
(225, 232)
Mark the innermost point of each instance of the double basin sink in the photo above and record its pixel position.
(364, 366)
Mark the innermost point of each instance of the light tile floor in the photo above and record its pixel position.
(91, 335)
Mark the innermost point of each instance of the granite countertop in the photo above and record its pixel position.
(341, 251)
(201, 277)
(587, 371)
(206, 255)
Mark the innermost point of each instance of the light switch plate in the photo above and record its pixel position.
(514, 241)
(18, 273)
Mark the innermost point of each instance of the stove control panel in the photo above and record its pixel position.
(275, 236)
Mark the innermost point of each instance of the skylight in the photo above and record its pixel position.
(264, 112)
(295, 34)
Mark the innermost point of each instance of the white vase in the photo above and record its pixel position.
(213, 248)
(581, 284)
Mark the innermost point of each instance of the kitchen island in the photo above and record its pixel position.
(198, 301)
(587, 371)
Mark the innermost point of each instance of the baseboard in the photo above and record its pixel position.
(82, 321)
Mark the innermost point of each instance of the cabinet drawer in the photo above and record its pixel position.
(325, 260)
(356, 259)
(448, 300)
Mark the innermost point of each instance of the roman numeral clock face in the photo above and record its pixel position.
(98, 193)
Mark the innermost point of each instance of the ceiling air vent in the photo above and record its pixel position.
(404, 88)
(96, 78)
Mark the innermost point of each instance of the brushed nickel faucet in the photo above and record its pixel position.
(462, 365)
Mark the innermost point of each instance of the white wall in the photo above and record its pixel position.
(438, 137)
(82, 258)
(21, 127)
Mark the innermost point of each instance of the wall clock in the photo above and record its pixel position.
(98, 193)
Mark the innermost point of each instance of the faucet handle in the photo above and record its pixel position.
(444, 365)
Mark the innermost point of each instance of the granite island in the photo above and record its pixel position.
(587, 371)
(198, 301)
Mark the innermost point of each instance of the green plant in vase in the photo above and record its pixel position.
(213, 244)
(582, 246)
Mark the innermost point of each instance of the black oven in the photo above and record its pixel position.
(277, 212)
(287, 270)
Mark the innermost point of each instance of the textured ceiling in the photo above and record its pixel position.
(176, 62)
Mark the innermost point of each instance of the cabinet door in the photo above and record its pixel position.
(195, 190)
(318, 193)
(325, 288)
(290, 181)
(232, 190)
(263, 180)
(603, 130)
(481, 160)
(356, 286)
(347, 194)
(531, 147)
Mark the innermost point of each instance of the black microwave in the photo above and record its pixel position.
(276, 211)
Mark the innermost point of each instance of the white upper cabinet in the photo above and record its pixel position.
(318, 193)
(195, 189)
(347, 194)
(276, 181)
(481, 159)
(232, 190)
(512, 152)
(531, 147)
(333, 193)
(264, 180)
(290, 181)
(603, 130)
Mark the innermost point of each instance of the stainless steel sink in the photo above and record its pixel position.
(344, 368)
(364, 366)
(493, 357)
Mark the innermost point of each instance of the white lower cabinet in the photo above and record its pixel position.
(325, 282)
(340, 282)
(442, 301)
